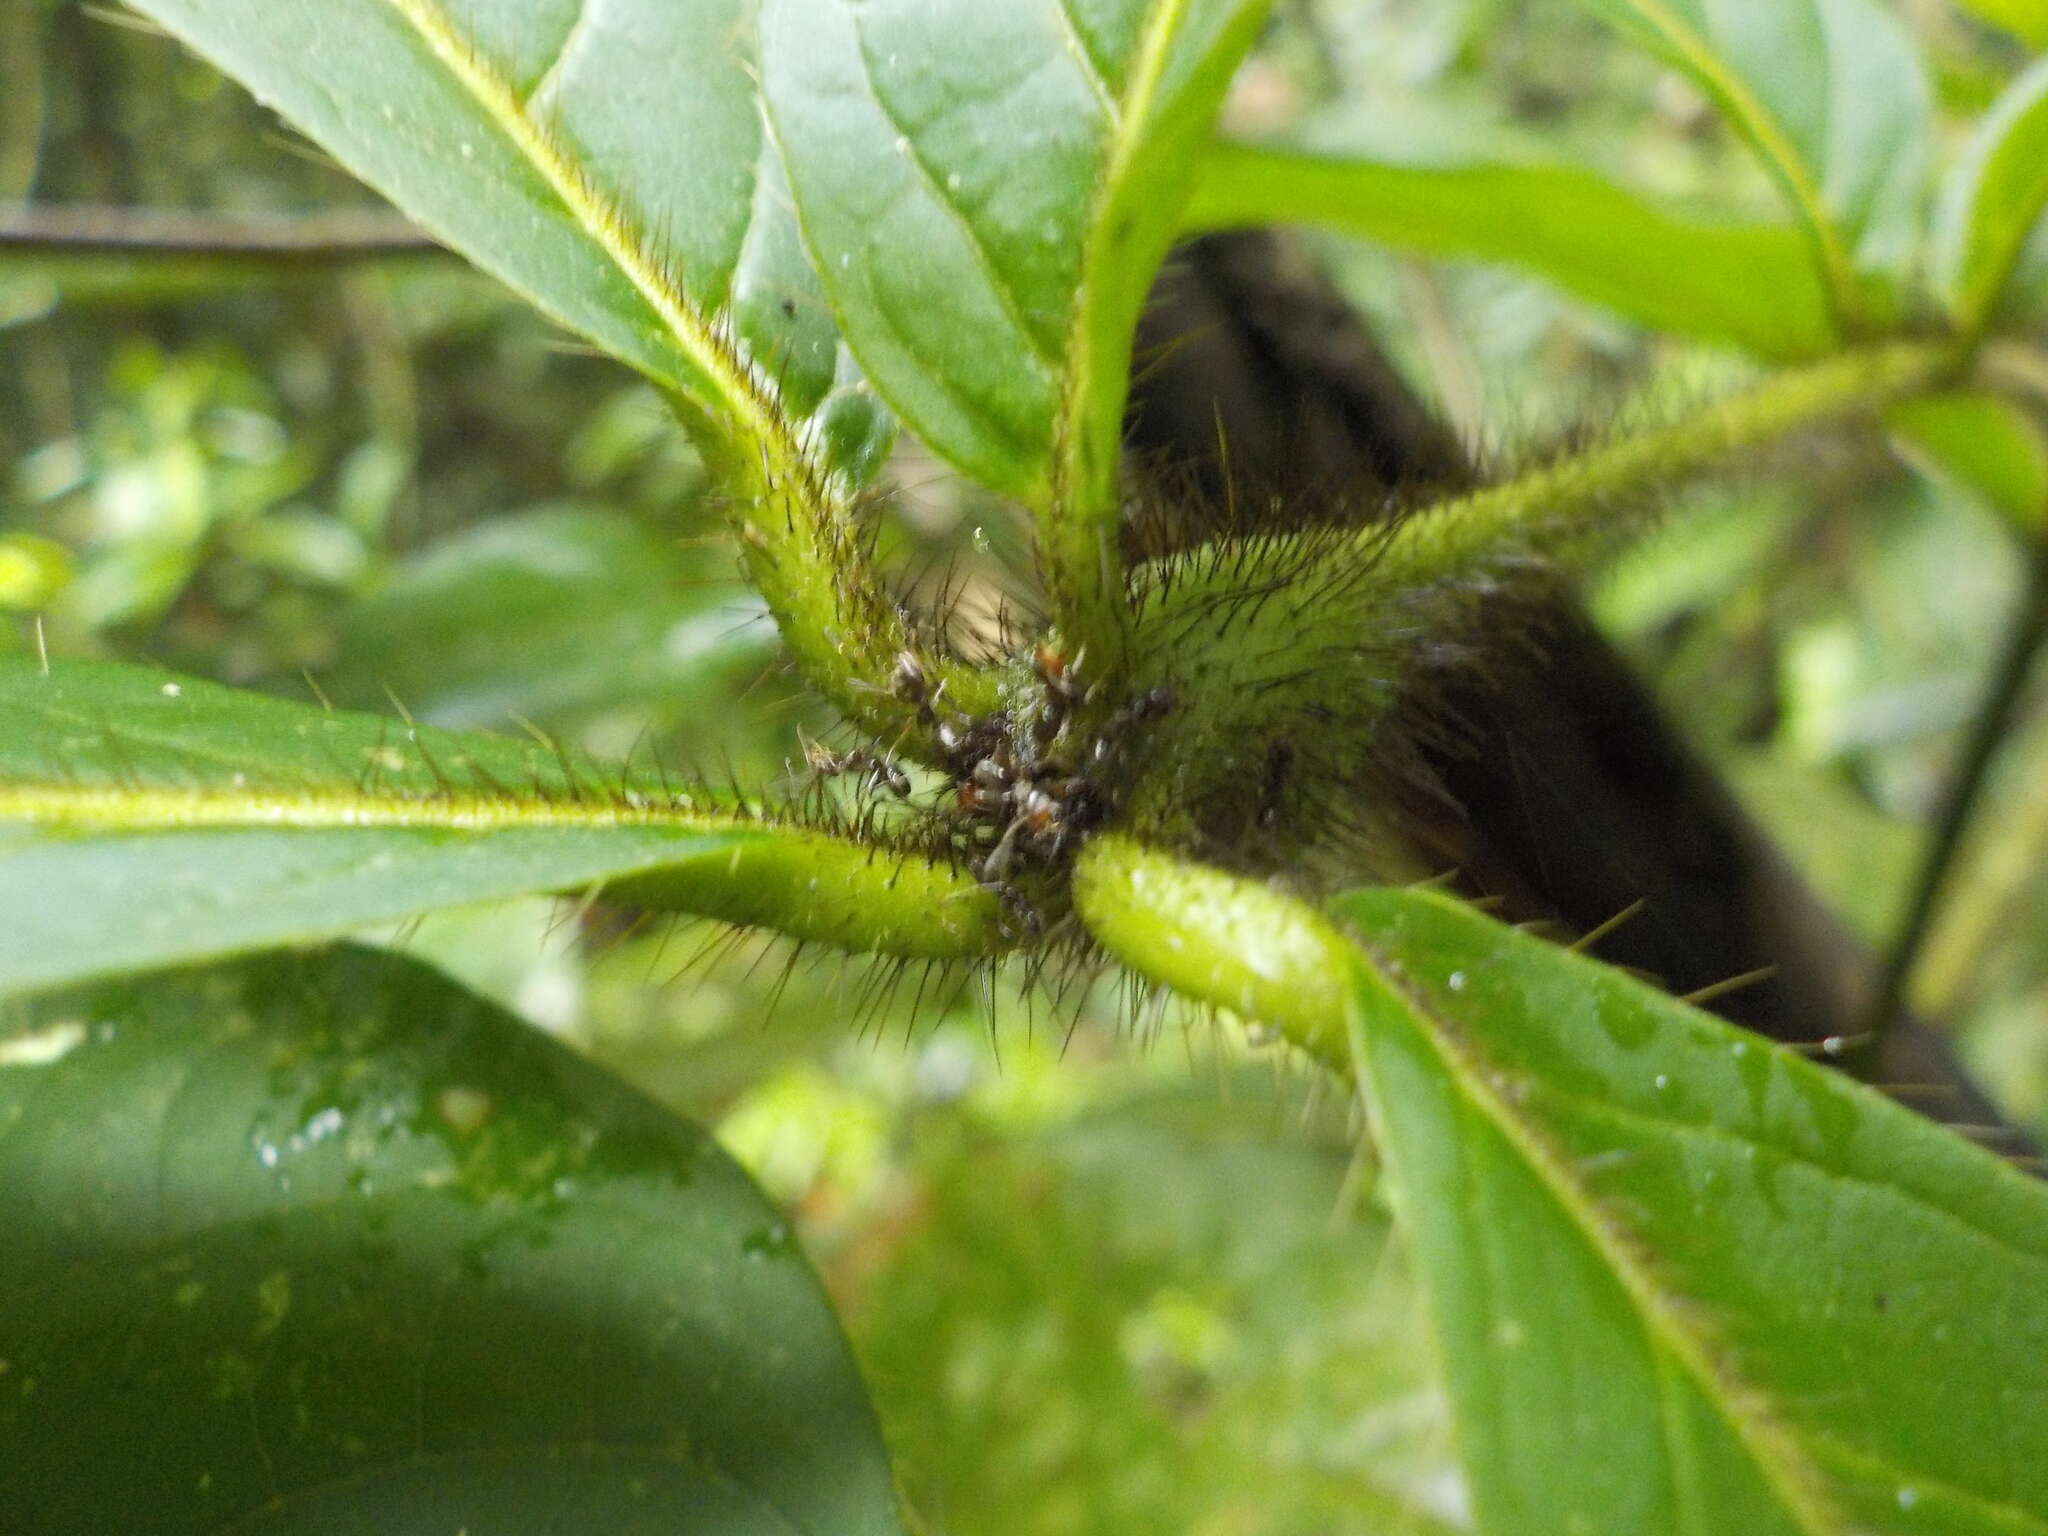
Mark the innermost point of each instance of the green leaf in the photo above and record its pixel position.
(1993, 447)
(610, 162)
(606, 161)
(1831, 95)
(552, 615)
(987, 190)
(1684, 1280)
(1752, 285)
(169, 819)
(2024, 19)
(1993, 199)
(326, 1244)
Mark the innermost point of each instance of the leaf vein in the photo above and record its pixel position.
(1639, 1120)
(706, 345)
(1788, 1473)
(1091, 67)
(156, 810)
(1000, 285)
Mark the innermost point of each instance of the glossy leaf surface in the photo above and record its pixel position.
(166, 819)
(326, 1244)
(606, 159)
(1682, 1280)
(987, 190)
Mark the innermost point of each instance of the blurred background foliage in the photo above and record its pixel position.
(1103, 1275)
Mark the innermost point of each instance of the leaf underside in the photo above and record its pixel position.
(605, 158)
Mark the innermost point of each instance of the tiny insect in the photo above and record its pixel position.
(908, 682)
(1151, 705)
(880, 770)
(1062, 678)
(1064, 691)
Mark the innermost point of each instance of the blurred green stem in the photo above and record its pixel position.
(1988, 730)
(1970, 923)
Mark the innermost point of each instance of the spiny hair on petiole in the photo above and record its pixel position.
(1041, 995)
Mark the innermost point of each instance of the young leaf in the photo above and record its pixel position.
(1682, 1279)
(1994, 447)
(1679, 1278)
(1993, 199)
(1831, 95)
(1750, 284)
(2026, 20)
(987, 190)
(167, 820)
(325, 1243)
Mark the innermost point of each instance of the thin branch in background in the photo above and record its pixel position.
(1989, 728)
(130, 234)
(21, 104)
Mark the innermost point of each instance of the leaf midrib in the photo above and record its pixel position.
(1126, 120)
(165, 739)
(1788, 1473)
(746, 392)
(144, 809)
(1783, 157)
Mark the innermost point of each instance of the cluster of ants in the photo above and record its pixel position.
(1026, 790)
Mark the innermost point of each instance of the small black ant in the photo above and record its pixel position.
(907, 681)
(1019, 789)
(1064, 691)
(880, 770)
(1153, 704)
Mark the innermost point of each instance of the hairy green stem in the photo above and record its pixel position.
(817, 888)
(725, 864)
(1286, 652)
(1572, 498)
(1082, 567)
(803, 550)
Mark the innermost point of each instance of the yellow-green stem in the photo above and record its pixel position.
(1286, 653)
(724, 863)
(1233, 943)
(1569, 496)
